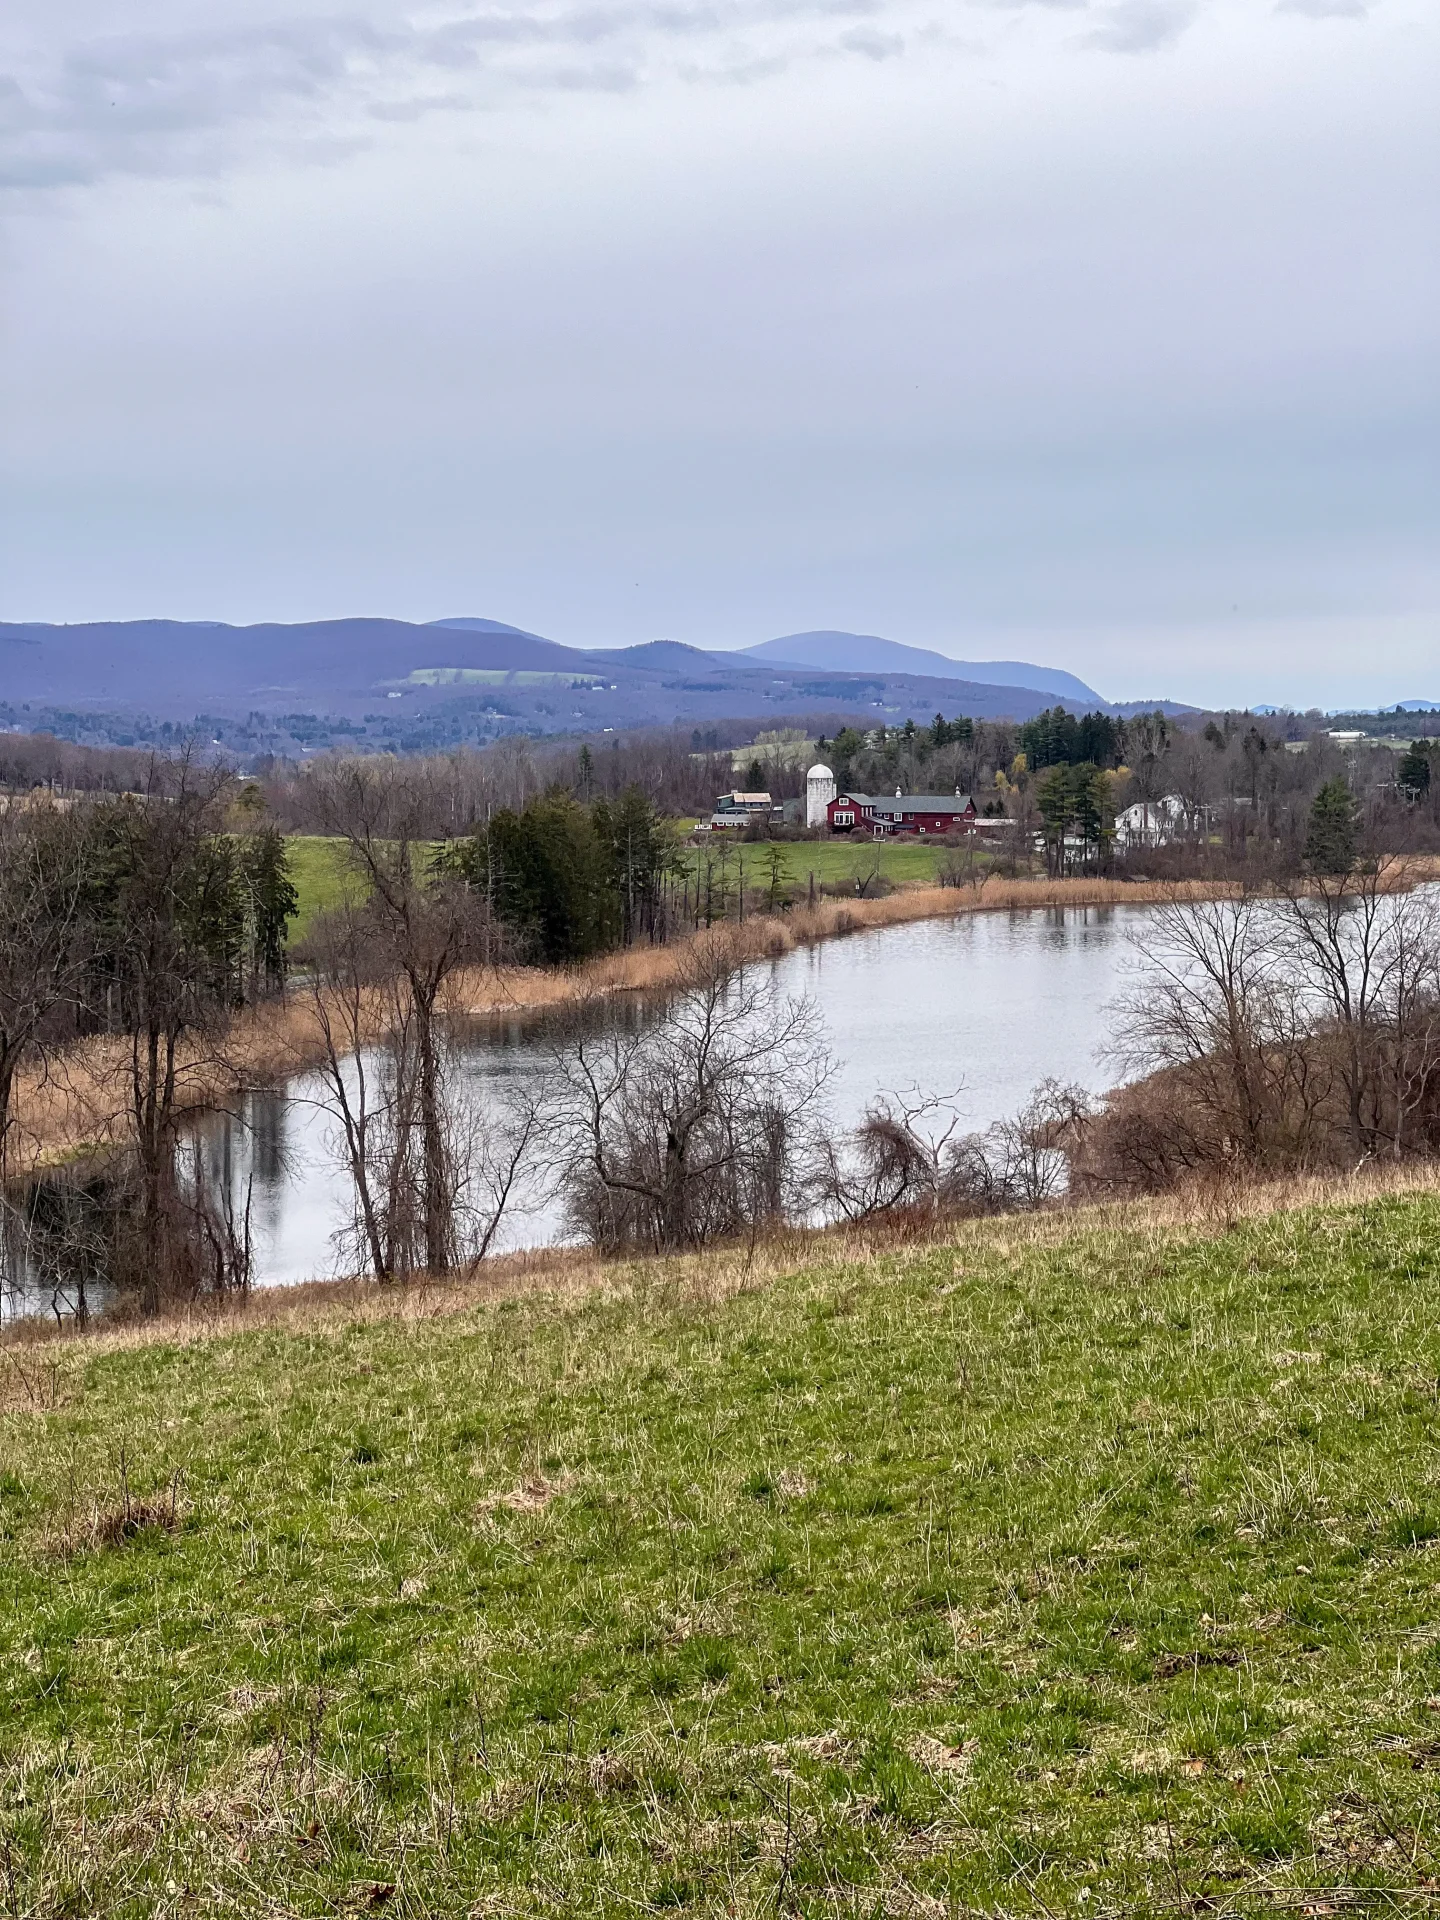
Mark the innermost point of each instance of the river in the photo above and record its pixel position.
(985, 1004)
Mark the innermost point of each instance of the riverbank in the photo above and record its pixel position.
(568, 1275)
(1057, 1565)
(75, 1108)
(767, 936)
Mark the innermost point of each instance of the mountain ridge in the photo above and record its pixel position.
(871, 653)
(397, 684)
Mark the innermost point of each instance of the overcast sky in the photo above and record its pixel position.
(1100, 334)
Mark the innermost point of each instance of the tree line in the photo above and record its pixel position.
(570, 879)
(132, 929)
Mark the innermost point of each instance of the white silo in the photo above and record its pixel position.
(819, 792)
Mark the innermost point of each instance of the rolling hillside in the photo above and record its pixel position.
(1065, 1567)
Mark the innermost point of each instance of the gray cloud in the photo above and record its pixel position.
(191, 103)
(184, 104)
(1140, 26)
(874, 44)
(1324, 9)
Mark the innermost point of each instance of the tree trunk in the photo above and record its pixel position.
(438, 1221)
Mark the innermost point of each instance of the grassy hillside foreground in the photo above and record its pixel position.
(1052, 1570)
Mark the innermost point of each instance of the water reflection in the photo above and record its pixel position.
(54, 1246)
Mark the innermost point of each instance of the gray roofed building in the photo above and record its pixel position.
(925, 803)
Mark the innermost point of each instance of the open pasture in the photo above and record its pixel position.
(1050, 1568)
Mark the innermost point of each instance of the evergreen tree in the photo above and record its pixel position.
(1056, 800)
(572, 881)
(271, 902)
(1093, 813)
(1057, 738)
(544, 871)
(640, 853)
(1075, 805)
(1333, 838)
(1413, 772)
(1099, 740)
(848, 745)
(168, 909)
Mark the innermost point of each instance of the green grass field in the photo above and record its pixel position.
(317, 867)
(319, 875)
(1095, 1574)
(831, 861)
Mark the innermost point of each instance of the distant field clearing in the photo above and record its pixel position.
(498, 677)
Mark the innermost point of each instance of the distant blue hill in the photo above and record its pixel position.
(869, 653)
(661, 656)
(170, 665)
(488, 626)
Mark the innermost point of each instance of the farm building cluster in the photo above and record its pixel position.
(923, 814)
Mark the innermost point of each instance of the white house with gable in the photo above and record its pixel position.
(1151, 823)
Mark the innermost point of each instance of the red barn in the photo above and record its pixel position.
(918, 813)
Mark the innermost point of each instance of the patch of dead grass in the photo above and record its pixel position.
(106, 1524)
(532, 1495)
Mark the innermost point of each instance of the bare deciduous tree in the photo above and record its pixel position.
(1299, 1030)
(1365, 957)
(908, 1156)
(1215, 1001)
(370, 1075)
(1023, 1162)
(419, 925)
(897, 1160)
(680, 1130)
(344, 1001)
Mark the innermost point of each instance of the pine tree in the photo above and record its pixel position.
(1055, 798)
(272, 903)
(1332, 841)
(1413, 772)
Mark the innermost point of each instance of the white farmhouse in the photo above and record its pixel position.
(1150, 823)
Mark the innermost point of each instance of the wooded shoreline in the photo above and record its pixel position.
(63, 1111)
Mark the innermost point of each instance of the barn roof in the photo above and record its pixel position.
(910, 802)
(927, 803)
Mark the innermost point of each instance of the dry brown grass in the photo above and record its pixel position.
(30, 1383)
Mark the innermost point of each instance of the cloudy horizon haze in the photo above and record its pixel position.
(1100, 333)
